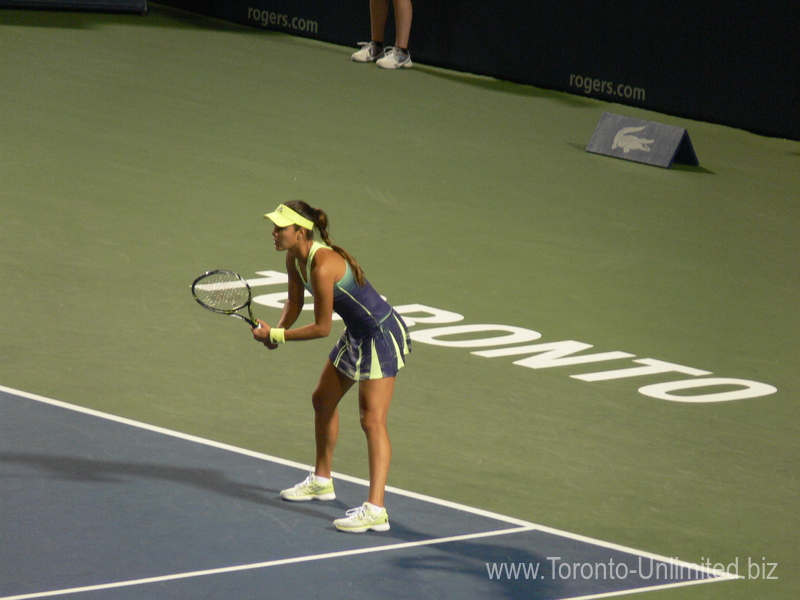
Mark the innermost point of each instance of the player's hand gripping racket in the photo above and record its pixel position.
(224, 292)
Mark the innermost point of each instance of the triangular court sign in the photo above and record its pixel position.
(642, 141)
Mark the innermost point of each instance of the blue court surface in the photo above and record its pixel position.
(95, 506)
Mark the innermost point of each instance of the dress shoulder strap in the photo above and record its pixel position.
(314, 247)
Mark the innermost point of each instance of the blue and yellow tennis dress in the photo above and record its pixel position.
(375, 341)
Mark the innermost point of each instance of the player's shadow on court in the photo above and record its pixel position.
(91, 470)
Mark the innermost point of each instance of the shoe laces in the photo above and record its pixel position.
(307, 481)
(360, 512)
(371, 47)
(398, 54)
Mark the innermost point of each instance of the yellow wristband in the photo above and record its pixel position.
(277, 335)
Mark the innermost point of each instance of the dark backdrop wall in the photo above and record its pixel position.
(100, 5)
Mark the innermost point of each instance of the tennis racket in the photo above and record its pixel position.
(224, 292)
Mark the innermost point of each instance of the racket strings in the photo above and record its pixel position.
(222, 291)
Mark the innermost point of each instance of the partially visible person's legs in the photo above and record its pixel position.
(403, 13)
(378, 15)
(393, 57)
(397, 56)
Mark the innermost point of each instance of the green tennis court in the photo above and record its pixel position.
(137, 152)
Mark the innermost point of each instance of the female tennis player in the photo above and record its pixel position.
(370, 351)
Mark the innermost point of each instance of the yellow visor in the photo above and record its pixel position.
(283, 216)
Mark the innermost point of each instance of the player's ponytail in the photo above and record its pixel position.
(320, 219)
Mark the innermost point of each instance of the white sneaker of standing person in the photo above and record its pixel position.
(369, 52)
(395, 58)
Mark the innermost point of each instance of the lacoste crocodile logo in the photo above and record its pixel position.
(629, 142)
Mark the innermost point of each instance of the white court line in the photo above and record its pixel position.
(521, 526)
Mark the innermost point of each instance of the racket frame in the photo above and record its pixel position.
(230, 312)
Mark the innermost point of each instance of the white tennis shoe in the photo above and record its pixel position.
(310, 489)
(365, 517)
(395, 58)
(369, 52)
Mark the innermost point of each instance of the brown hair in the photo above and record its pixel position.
(320, 219)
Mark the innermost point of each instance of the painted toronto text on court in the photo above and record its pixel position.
(501, 341)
